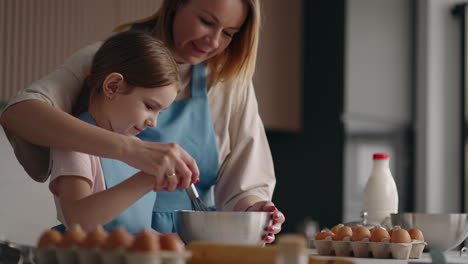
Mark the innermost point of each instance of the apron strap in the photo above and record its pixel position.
(198, 80)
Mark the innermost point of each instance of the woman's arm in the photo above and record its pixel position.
(80, 206)
(246, 176)
(38, 115)
(42, 124)
(246, 165)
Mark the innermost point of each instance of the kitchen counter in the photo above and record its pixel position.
(452, 257)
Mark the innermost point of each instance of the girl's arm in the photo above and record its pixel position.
(42, 124)
(80, 206)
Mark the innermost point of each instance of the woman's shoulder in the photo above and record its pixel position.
(234, 92)
(84, 55)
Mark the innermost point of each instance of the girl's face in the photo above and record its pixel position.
(204, 28)
(129, 114)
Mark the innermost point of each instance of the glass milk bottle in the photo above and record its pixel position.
(380, 193)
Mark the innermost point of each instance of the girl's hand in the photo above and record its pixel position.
(171, 165)
(277, 217)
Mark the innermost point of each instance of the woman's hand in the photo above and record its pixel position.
(171, 165)
(277, 217)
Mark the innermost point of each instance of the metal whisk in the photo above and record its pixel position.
(197, 203)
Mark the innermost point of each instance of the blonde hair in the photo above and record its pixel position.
(236, 62)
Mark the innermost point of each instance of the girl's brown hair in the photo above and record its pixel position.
(142, 59)
(237, 61)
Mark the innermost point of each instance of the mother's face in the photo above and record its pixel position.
(204, 28)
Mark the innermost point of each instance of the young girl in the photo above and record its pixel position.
(133, 77)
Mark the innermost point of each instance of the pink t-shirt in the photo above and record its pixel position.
(69, 163)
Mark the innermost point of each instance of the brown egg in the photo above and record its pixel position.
(343, 232)
(336, 227)
(118, 238)
(146, 241)
(416, 234)
(379, 234)
(95, 238)
(171, 242)
(400, 235)
(390, 232)
(372, 229)
(73, 237)
(49, 238)
(360, 233)
(323, 235)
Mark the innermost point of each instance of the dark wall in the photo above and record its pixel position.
(309, 164)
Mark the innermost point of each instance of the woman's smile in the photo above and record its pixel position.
(198, 50)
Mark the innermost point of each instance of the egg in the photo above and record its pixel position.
(360, 233)
(416, 234)
(49, 238)
(391, 230)
(95, 238)
(323, 235)
(342, 233)
(118, 238)
(400, 235)
(146, 241)
(73, 237)
(379, 234)
(336, 227)
(171, 242)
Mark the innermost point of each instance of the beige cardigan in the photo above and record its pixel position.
(246, 166)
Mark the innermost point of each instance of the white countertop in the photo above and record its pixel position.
(452, 257)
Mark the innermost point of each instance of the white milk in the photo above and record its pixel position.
(380, 193)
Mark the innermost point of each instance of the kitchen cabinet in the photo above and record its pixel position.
(278, 79)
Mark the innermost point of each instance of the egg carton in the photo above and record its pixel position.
(367, 249)
(75, 255)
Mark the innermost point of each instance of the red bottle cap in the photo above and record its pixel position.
(380, 156)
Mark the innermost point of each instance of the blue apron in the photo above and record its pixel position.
(187, 123)
(138, 216)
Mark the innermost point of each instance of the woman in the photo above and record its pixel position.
(219, 126)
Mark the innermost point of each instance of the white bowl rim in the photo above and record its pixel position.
(220, 212)
(435, 214)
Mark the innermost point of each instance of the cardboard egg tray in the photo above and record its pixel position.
(367, 249)
(74, 255)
